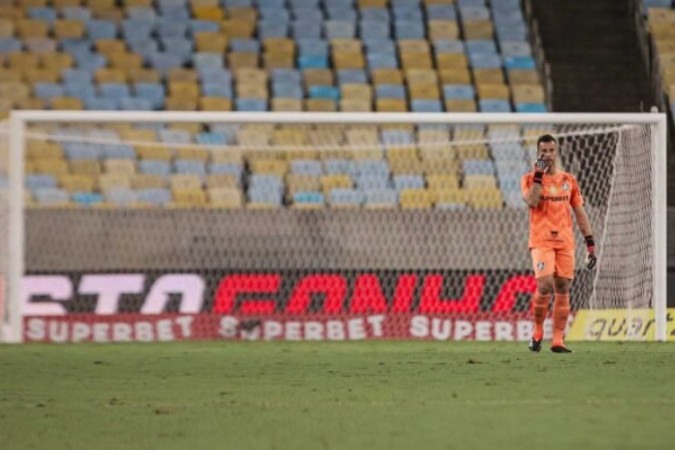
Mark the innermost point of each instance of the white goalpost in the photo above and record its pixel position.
(406, 269)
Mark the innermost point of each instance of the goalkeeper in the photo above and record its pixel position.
(552, 195)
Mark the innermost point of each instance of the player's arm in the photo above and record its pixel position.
(586, 231)
(532, 194)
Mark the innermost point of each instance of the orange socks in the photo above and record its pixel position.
(561, 312)
(540, 309)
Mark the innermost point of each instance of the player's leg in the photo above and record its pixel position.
(564, 273)
(543, 261)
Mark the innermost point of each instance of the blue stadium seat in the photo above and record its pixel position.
(458, 91)
(441, 12)
(87, 198)
(245, 45)
(372, 29)
(75, 46)
(413, 14)
(203, 26)
(215, 75)
(474, 46)
(372, 167)
(77, 13)
(251, 104)
(154, 167)
(153, 92)
(120, 196)
(312, 62)
(100, 104)
(448, 46)
(494, 105)
(383, 197)
(101, 29)
(303, 29)
(90, 61)
(519, 62)
(379, 45)
(227, 169)
(426, 105)
(155, 197)
(264, 196)
(405, 181)
(38, 181)
(396, 137)
(308, 198)
(43, 14)
(266, 182)
(47, 91)
(135, 104)
(212, 138)
(286, 76)
(478, 167)
(390, 91)
(114, 90)
(8, 45)
(51, 196)
(174, 136)
(376, 14)
(142, 13)
(137, 29)
(327, 92)
(346, 197)
(306, 167)
(485, 60)
(207, 60)
(76, 76)
(237, 3)
(76, 151)
(352, 76)
(515, 48)
(341, 13)
(276, 14)
(190, 166)
(531, 108)
(471, 3)
(271, 28)
(217, 90)
(339, 29)
(407, 29)
(306, 4)
(164, 62)
(169, 27)
(312, 47)
(119, 151)
(367, 182)
(178, 46)
(473, 13)
(381, 61)
(340, 166)
(287, 90)
(308, 15)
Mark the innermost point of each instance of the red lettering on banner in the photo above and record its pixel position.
(403, 297)
(430, 302)
(333, 286)
(506, 299)
(368, 296)
(232, 286)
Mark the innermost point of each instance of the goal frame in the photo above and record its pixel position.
(19, 119)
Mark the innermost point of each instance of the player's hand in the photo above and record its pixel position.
(590, 247)
(542, 165)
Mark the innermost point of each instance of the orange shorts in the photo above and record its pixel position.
(553, 261)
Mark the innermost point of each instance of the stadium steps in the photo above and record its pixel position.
(596, 64)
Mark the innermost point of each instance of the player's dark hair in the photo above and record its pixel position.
(546, 138)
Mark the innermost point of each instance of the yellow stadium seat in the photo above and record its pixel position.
(528, 93)
(22, 61)
(284, 46)
(85, 167)
(12, 13)
(252, 76)
(108, 75)
(10, 76)
(337, 181)
(268, 166)
(77, 183)
(242, 60)
(143, 76)
(286, 104)
(66, 103)
(68, 29)
(199, 153)
(424, 91)
(188, 198)
(421, 76)
(138, 134)
(318, 77)
(454, 76)
(517, 76)
(184, 89)
(478, 29)
(493, 91)
(349, 60)
(105, 13)
(208, 12)
(479, 181)
(251, 90)
(372, 3)
(184, 181)
(494, 76)
(56, 61)
(158, 152)
(356, 105)
(440, 181)
(278, 61)
(132, 3)
(6, 28)
(120, 166)
(413, 46)
(181, 104)
(247, 13)
(29, 103)
(30, 28)
(475, 151)
(415, 199)
(215, 104)
(237, 28)
(451, 61)
(225, 197)
(460, 105)
(346, 45)
(391, 105)
(320, 105)
(228, 155)
(220, 180)
(42, 75)
(443, 29)
(124, 60)
(148, 181)
(107, 181)
(182, 75)
(443, 197)
(301, 182)
(387, 76)
(356, 91)
(38, 149)
(211, 41)
(410, 165)
(54, 166)
(109, 47)
(414, 60)
(484, 198)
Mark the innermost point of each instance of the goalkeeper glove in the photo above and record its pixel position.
(590, 246)
(540, 167)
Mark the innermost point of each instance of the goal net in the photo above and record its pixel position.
(169, 226)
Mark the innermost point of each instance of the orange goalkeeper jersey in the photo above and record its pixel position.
(551, 220)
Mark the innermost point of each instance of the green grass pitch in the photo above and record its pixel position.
(354, 395)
